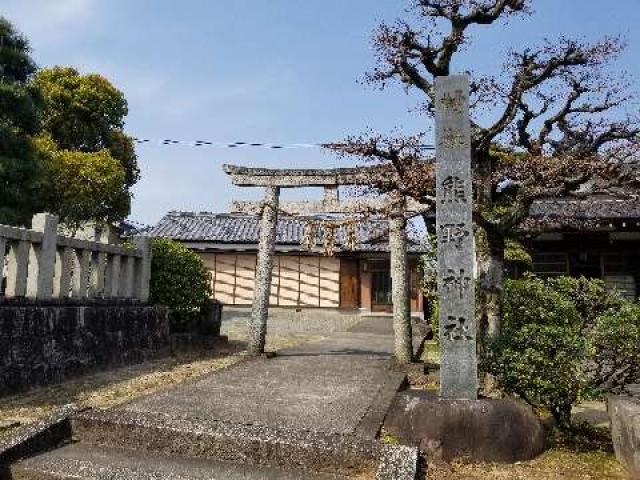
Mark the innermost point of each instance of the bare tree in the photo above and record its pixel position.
(558, 123)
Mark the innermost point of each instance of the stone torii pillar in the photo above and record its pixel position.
(264, 266)
(400, 283)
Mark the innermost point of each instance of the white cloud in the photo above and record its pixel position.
(46, 22)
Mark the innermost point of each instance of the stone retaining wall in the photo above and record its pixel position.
(48, 342)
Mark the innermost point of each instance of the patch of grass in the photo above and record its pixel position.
(431, 353)
(390, 439)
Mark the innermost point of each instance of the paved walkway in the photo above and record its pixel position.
(341, 385)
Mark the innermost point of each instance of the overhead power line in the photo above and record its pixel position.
(208, 143)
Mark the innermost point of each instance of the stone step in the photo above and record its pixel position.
(83, 462)
(256, 445)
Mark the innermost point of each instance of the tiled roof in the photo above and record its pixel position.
(223, 228)
(605, 208)
(581, 214)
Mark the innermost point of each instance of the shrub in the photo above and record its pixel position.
(537, 354)
(615, 348)
(541, 364)
(590, 296)
(534, 300)
(179, 281)
(563, 339)
(517, 256)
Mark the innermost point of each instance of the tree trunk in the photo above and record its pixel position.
(400, 287)
(562, 416)
(490, 292)
(490, 256)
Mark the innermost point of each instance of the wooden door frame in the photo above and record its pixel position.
(356, 264)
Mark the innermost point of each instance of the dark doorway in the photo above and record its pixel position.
(585, 264)
(381, 287)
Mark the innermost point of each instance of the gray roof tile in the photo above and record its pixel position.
(227, 228)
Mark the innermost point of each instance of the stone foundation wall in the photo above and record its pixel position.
(48, 342)
(285, 321)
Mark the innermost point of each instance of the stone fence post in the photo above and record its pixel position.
(40, 285)
(40, 264)
(143, 269)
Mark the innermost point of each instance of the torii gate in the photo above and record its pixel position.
(331, 179)
(454, 228)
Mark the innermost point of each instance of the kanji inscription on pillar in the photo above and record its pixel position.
(454, 225)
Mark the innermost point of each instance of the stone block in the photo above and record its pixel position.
(211, 319)
(203, 438)
(398, 463)
(484, 430)
(624, 413)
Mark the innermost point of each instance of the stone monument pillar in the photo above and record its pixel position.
(264, 265)
(454, 224)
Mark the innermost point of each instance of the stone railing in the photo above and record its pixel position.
(41, 264)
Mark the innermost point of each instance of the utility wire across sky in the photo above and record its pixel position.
(207, 143)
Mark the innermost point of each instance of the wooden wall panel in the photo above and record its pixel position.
(225, 268)
(296, 280)
(310, 281)
(289, 291)
(209, 261)
(329, 282)
(245, 279)
(275, 282)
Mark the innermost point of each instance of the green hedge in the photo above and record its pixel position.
(562, 340)
(180, 281)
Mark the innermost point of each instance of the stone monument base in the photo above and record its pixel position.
(485, 430)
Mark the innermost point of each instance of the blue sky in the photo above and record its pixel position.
(282, 71)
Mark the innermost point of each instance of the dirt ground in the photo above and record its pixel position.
(554, 464)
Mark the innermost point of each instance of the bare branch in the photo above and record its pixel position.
(531, 69)
(403, 166)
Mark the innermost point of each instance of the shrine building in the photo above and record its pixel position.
(354, 278)
(596, 237)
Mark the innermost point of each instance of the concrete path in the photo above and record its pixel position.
(311, 412)
(340, 385)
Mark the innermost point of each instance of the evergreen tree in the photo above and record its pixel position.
(84, 115)
(20, 120)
